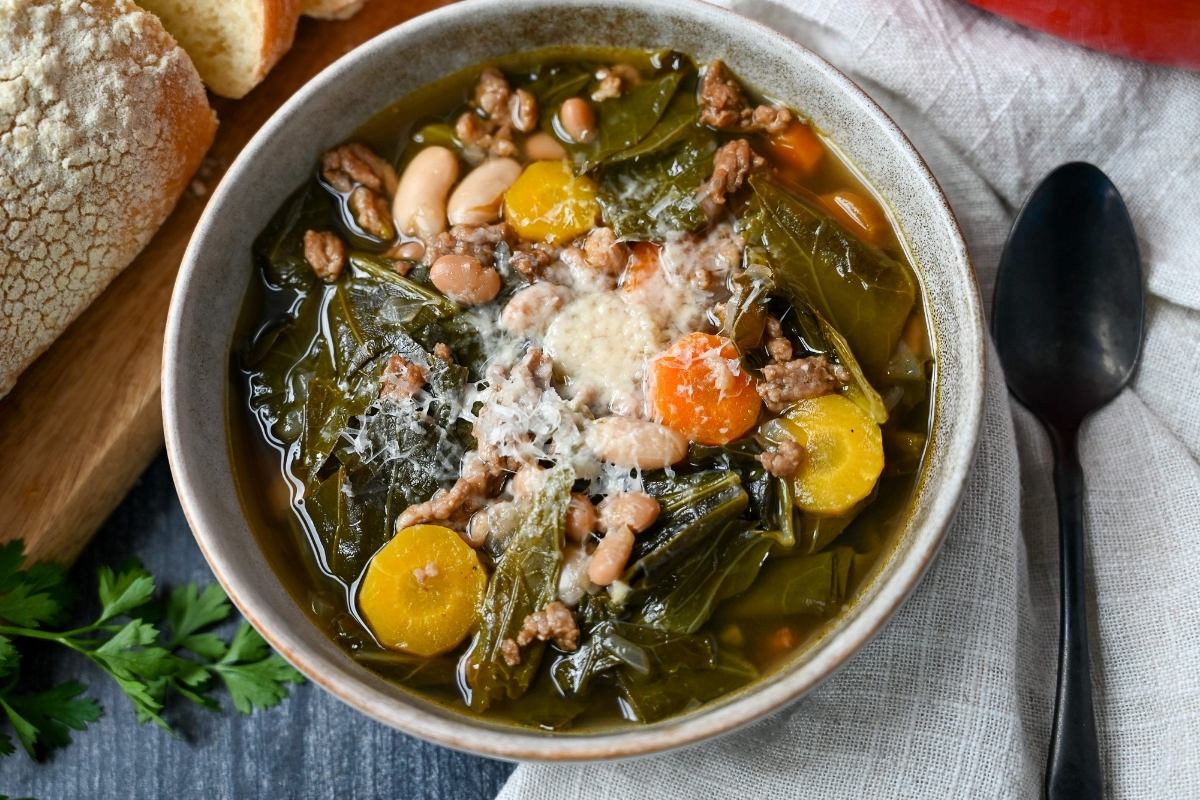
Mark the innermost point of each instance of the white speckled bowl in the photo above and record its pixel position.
(217, 269)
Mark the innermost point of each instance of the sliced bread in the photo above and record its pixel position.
(331, 9)
(103, 119)
(233, 42)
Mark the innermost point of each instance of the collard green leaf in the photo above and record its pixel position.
(611, 645)
(525, 580)
(655, 697)
(624, 121)
(416, 671)
(677, 122)
(726, 563)
(860, 290)
(279, 249)
(655, 195)
(746, 310)
(693, 507)
(813, 585)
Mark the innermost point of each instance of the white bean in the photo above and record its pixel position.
(542, 146)
(476, 201)
(581, 517)
(420, 205)
(611, 555)
(464, 280)
(529, 310)
(628, 442)
(577, 119)
(634, 510)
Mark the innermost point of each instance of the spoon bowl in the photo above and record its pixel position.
(1069, 308)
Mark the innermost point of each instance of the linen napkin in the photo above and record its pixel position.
(954, 697)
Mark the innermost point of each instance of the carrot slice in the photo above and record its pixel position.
(699, 388)
(422, 590)
(857, 214)
(797, 147)
(643, 263)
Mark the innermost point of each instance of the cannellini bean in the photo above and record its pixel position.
(634, 510)
(573, 581)
(542, 146)
(407, 251)
(581, 517)
(526, 481)
(476, 201)
(629, 442)
(420, 205)
(464, 280)
(609, 559)
(577, 119)
(530, 310)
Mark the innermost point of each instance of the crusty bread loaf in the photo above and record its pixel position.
(331, 9)
(103, 120)
(233, 42)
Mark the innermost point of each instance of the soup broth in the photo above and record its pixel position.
(424, 411)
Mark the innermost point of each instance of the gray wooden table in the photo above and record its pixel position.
(312, 746)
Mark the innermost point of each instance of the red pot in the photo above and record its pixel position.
(1162, 31)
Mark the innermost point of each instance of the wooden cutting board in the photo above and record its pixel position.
(84, 421)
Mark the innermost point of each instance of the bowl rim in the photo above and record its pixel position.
(458, 731)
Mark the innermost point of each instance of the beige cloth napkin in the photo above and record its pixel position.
(953, 699)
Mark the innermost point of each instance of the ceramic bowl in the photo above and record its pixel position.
(217, 270)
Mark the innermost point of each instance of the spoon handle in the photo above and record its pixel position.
(1073, 768)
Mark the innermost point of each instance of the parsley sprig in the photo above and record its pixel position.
(152, 649)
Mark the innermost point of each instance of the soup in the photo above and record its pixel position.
(580, 389)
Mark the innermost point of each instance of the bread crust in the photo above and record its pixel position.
(280, 18)
(103, 119)
(332, 9)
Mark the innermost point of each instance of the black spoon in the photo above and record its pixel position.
(1067, 320)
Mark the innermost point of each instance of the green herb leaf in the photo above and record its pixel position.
(46, 718)
(254, 676)
(190, 610)
(123, 592)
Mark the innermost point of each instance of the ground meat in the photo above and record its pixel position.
(325, 252)
(401, 379)
(614, 80)
(530, 262)
(731, 166)
(771, 119)
(604, 252)
(705, 260)
(354, 164)
(491, 94)
(784, 384)
(510, 652)
(470, 129)
(454, 506)
(523, 109)
(582, 275)
(422, 574)
(526, 385)
(723, 105)
(554, 622)
(442, 350)
(778, 345)
(608, 88)
(372, 213)
(478, 241)
(783, 460)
